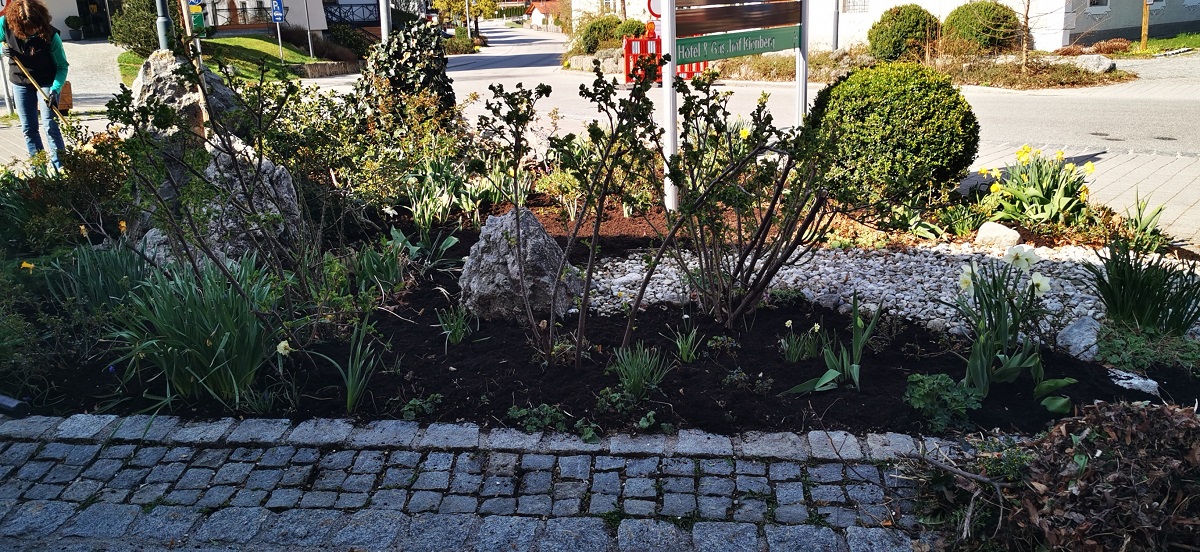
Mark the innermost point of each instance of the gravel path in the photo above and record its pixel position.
(93, 74)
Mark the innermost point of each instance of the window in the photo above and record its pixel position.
(1097, 3)
(1097, 7)
(854, 6)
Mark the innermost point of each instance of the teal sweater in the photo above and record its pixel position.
(56, 51)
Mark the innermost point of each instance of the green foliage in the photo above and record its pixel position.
(1038, 191)
(455, 323)
(1147, 291)
(629, 27)
(427, 252)
(843, 366)
(418, 407)
(565, 189)
(1003, 459)
(990, 25)
(1139, 350)
(903, 32)
(687, 342)
(200, 332)
(598, 32)
(363, 361)
(588, 432)
(1140, 227)
(803, 346)
(134, 26)
(412, 61)
(98, 278)
(354, 39)
(539, 418)
(940, 400)
(460, 43)
(896, 133)
(639, 369)
(962, 220)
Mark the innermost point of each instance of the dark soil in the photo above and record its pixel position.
(727, 390)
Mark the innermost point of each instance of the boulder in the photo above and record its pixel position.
(158, 79)
(1094, 63)
(491, 277)
(996, 235)
(1080, 338)
(254, 205)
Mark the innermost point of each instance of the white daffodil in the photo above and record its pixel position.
(284, 348)
(1021, 256)
(1041, 284)
(966, 279)
(788, 324)
(389, 211)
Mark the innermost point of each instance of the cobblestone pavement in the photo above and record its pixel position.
(100, 482)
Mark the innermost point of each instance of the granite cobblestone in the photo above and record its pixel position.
(323, 483)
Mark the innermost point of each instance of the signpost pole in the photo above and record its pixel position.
(670, 113)
(308, 29)
(277, 17)
(802, 67)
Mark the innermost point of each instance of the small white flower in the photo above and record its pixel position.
(1021, 256)
(685, 317)
(816, 328)
(284, 348)
(966, 279)
(1041, 284)
(788, 324)
(389, 211)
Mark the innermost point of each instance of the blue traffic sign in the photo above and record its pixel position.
(195, 2)
(276, 11)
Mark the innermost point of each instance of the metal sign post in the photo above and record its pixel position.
(277, 18)
(670, 108)
(802, 71)
(308, 28)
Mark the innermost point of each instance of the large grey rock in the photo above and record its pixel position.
(159, 79)
(1094, 63)
(1080, 338)
(491, 278)
(997, 235)
(254, 203)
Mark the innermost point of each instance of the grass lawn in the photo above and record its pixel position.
(1156, 45)
(244, 53)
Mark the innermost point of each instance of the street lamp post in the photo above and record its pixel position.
(164, 25)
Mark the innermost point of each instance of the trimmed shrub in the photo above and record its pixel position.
(412, 61)
(630, 27)
(356, 40)
(988, 24)
(894, 133)
(903, 32)
(597, 32)
(134, 27)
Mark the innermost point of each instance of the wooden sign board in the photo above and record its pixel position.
(722, 19)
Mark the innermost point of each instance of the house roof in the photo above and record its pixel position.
(547, 7)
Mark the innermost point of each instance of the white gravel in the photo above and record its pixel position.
(909, 283)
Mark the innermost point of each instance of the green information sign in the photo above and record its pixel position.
(743, 43)
(198, 25)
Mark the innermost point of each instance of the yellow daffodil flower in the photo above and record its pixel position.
(983, 171)
(83, 230)
(26, 265)
(788, 324)
(1070, 167)
(284, 348)
(996, 173)
(745, 133)
(1089, 167)
(1058, 155)
(122, 226)
(996, 187)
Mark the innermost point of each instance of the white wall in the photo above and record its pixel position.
(295, 14)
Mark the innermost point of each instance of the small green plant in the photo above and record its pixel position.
(617, 401)
(100, 278)
(1039, 191)
(539, 418)
(687, 345)
(723, 343)
(1147, 291)
(428, 253)
(962, 220)
(455, 323)
(741, 380)
(801, 347)
(418, 407)
(1137, 350)
(1141, 229)
(1003, 458)
(639, 369)
(844, 365)
(940, 400)
(588, 432)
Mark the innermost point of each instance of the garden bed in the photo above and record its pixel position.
(730, 388)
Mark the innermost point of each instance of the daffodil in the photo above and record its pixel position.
(1021, 256)
(1058, 155)
(983, 171)
(1041, 284)
(122, 226)
(1089, 167)
(284, 348)
(389, 211)
(816, 328)
(1083, 193)
(26, 265)
(996, 173)
(788, 324)
(83, 230)
(996, 187)
(966, 279)
(745, 133)
(1070, 167)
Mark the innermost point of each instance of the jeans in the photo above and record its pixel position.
(28, 102)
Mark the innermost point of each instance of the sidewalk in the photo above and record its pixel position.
(104, 482)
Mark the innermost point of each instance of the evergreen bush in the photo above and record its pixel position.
(896, 133)
(597, 32)
(988, 24)
(134, 26)
(903, 32)
(629, 27)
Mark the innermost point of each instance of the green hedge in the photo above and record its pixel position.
(989, 25)
(903, 32)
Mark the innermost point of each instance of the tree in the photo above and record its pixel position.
(455, 9)
(134, 26)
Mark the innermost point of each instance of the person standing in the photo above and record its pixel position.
(27, 36)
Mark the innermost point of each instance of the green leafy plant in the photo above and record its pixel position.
(539, 418)
(687, 342)
(418, 407)
(201, 331)
(989, 25)
(941, 400)
(598, 33)
(100, 278)
(905, 31)
(843, 366)
(803, 346)
(427, 253)
(412, 60)
(896, 133)
(1139, 349)
(962, 220)
(1040, 191)
(629, 27)
(639, 369)
(455, 323)
(363, 361)
(588, 432)
(1147, 291)
(1140, 228)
